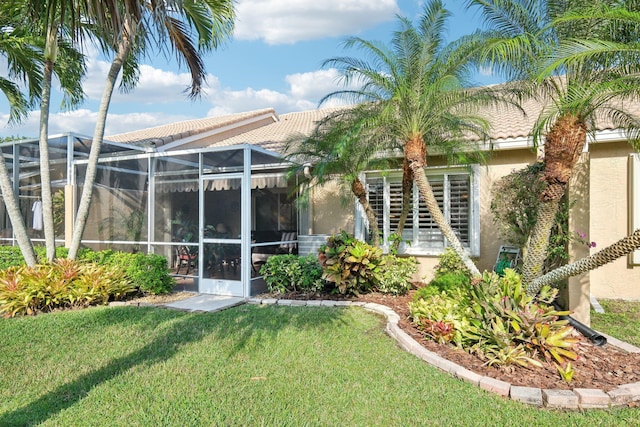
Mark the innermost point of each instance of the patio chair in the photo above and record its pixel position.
(185, 259)
(260, 255)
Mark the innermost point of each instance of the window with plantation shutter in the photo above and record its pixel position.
(457, 195)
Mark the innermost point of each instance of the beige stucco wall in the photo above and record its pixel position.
(501, 164)
(328, 210)
(599, 192)
(609, 220)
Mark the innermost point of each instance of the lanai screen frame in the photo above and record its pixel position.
(245, 161)
(64, 150)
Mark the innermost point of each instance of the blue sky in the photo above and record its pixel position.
(274, 60)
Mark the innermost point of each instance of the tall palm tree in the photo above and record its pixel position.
(23, 48)
(143, 23)
(421, 93)
(524, 35)
(59, 22)
(22, 56)
(337, 149)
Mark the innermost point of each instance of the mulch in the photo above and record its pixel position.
(604, 368)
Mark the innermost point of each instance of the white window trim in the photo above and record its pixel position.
(472, 171)
(634, 201)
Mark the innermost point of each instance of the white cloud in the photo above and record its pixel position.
(289, 21)
(155, 85)
(305, 91)
(83, 121)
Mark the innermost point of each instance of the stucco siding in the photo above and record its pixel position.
(501, 164)
(329, 212)
(610, 221)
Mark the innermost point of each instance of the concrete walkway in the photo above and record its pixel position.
(204, 302)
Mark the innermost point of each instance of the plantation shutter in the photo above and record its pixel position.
(459, 209)
(453, 194)
(375, 190)
(429, 234)
(395, 210)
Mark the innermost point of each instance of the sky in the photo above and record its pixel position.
(274, 60)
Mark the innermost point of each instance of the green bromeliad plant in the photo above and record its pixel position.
(496, 319)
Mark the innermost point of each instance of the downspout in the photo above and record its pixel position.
(594, 336)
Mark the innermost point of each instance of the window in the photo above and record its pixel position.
(458, 196)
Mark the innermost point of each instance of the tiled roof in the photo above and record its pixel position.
(165, 134)
(274, 136)
(268, 130)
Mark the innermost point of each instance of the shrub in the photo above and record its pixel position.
(287, 273)
(61, 284)
(445, 282)
(10, 256)
(494, 318)
(150, 272)
(396, 274)
(350, 265)
(514, 205)
(450, 262)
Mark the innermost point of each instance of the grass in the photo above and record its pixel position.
(249, 365)
(621, 319)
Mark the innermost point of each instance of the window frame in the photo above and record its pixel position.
(438, 172)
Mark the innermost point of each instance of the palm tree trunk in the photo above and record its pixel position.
(17, 220)
(414, 154)
(96, 144)
(536, 250)
(609, 254)
(407, 184)
(563, 144)
(360, 192)
(45, 171)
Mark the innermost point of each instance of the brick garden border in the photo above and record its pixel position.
(578, 398)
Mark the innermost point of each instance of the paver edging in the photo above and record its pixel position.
(555, 398)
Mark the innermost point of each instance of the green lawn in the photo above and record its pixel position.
(621, 319)
(249, 365)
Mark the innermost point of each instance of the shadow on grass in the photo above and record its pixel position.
(248, 325)
(243, 326)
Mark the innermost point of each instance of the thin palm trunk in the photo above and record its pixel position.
(17, 220)
(609, 254)
(96, 144)
(538, 243)
(415, 157)
(407, 185)
(360, 192)
(563, 144)
(45, 171)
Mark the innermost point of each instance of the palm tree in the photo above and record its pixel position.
(420, 92)
(524, 36)
(23, 63)
(338, 149)
(142, 24)
(24, 53)
(59, 24)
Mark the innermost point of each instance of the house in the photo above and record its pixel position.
(211, 193)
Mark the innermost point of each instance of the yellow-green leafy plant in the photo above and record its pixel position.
(350, 265)
(496, 319)
(61, 284)
(396, 275)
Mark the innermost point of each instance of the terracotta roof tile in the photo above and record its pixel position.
(274, 136)
(507, 123)
(165, 134)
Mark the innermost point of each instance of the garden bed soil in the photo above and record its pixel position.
(604, 368)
